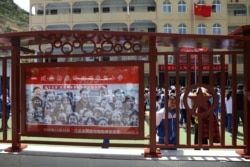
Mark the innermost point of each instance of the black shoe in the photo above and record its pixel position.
(1, 130)
(105, 147)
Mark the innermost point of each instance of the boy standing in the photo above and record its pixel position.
(171, 123)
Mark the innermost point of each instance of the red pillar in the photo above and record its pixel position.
(15, 96)
(246, 151)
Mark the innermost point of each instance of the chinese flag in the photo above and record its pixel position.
(202, 10)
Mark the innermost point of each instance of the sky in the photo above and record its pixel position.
(24, 4)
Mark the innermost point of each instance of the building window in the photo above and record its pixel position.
(151, 29)
(124, 9)
(237, 9)
(216, 6)
(167, 28)
(131, 8)
(239, 59)
(182, 6)
(166, 7)
(96, 10)
(39, 12)
(106, 10)
(216, 29)
(202, 29)
(76, 10)
(182, 29)
(232, 28)
(201, 2)
(151, 9)
(124, 29)
(53, 12)
(170, 59)
(217, 59)
(106, 29)
(239, 13)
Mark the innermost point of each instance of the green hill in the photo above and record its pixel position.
(12, 18)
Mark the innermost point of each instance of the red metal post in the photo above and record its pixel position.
(15, 64)
(152, 152)
(246, 152)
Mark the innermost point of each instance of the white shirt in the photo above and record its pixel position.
(160, 115)
(189, 101)
(181, 101)
(229, 105)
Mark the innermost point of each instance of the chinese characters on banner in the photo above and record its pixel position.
(192, 62)
(93, 100)
(192, 67)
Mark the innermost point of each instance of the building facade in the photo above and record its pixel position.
(164, 16)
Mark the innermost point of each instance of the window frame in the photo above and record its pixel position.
(77, 10)
(216, 6)
(216, 29)
(166, 7)
(167, 27)
(105, 10)
(182, 7)
(182, 29)
(201, 29)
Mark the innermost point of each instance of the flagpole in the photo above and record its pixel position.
(193, 18)
(194, 21)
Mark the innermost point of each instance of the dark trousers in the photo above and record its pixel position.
(7, 116)
(105, 142)
(183, 118)
(196, 135)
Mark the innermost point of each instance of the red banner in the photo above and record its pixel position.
(82, 75)
(193, 67)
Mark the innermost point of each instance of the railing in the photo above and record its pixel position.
(33, 62)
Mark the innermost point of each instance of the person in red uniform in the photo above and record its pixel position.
(205, 120)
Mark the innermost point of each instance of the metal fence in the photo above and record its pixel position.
(59, 58)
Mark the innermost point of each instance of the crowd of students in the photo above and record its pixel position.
(172, 111)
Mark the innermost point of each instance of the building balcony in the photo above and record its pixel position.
(107, 17)
(86, 17)
(38, 19)
(57, 19)
(143, 16)
(238, 20)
